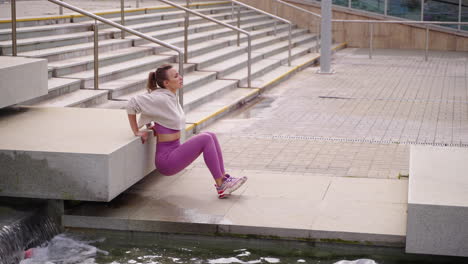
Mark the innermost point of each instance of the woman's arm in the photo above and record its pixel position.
(133, 124)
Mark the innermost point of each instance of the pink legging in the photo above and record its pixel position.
(172, 157)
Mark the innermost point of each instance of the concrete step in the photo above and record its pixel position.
(207, 113)
(264, 66)
(47, 42)
(175, 36)
(84, 63)
(56, 87)
(148, 25)
(73, 51)
(120, 70)
(134, 83)
(79, 98)
(284, 72)
(44, 30)
(131, 18)
(233, 64)
(216, 56)
(204, 47)
(142, 19)
(207, 93)
(192, 80)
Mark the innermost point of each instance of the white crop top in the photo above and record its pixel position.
(160, 106)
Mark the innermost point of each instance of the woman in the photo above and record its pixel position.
(160, 110)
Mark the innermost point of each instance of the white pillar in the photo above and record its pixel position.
(326, 40)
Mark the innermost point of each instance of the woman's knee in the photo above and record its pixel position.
(211, 134)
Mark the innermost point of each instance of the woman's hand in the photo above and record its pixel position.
(143, 136)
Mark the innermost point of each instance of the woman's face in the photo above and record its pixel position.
(174, 81)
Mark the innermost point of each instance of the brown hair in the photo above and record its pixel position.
(158, 77)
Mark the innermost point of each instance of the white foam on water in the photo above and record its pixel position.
(64, 250)
(357, 261)
(272, 260)
(225, 260)
(301, 261)
(244, 254)
(132, 261)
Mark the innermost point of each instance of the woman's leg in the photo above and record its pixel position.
(218, 150)
(186, 153)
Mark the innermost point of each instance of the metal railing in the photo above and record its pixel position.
(314, 15)
(272, 16)
(96, 39)
(239, 31)
(350, 3)
(372, 22)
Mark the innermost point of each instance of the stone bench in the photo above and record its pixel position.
(21, 79)
(438, 201)
(70, 153)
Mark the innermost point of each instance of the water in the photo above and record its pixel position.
(150, 248)
(23, 227)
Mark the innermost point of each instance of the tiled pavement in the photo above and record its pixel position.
(358, 122)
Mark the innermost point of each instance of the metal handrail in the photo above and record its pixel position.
(249, 36)
(298, 8)
(306, 11)
(272, 16)
(126, 29)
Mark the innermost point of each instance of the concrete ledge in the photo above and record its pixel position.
(22, 79)
(70, 154)
(438, 201)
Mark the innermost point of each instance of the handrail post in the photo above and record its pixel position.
(249, 61)
(13, 28)
(427, 43)
(238, 24)
(385, 7)
(459, 13)
(232, 10)
(61, 9)
(275, 8)
(186, 25)
(137, 3)
(122, 18)
(290, 44)
(318, 37)
(422, 10)
(371, 39)
(96, 55)
(181, 72)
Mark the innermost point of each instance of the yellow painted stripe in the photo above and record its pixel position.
(212, 115)
(342, 45)
(38, 19)
(106, 13)
(192, 126)
(256, 90)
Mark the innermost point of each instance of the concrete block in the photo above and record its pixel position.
(70, 154)
(438, 201)
(22, 79)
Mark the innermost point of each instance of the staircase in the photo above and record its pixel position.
(215, 79)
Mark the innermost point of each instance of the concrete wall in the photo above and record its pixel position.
(70, 154)
(21, 79)
(386, 36)
(438, 201)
